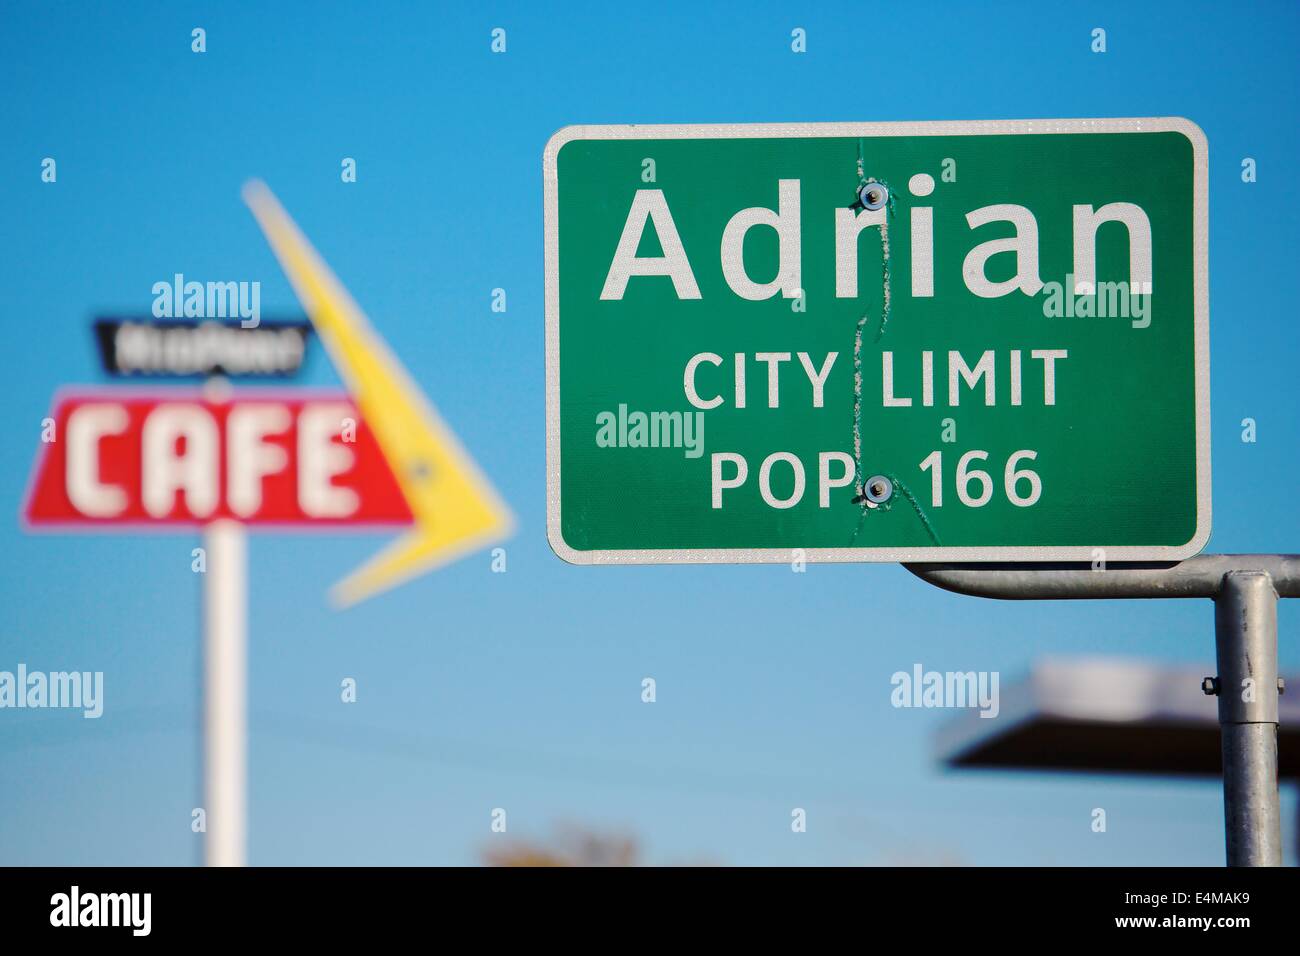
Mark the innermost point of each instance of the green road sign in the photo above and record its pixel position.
(981, 341)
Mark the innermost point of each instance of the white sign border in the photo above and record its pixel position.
(1201, 354)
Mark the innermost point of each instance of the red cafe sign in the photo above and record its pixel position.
(181, 458)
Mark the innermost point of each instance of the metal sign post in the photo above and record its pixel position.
(1245, 589)
(225, 680)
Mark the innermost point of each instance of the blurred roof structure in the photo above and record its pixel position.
(1107, 715)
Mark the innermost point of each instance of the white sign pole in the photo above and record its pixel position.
(225, 678)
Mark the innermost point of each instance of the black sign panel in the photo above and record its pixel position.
(139, 348)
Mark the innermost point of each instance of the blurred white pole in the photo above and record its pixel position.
(225, 678)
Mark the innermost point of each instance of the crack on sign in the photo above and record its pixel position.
(861, 329)
(863, 180)
(887, 506)
(916, 507)
(884, 259)
(885, 311)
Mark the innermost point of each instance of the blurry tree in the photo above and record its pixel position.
(572, 846)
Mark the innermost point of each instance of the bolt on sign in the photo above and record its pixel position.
(878, 342)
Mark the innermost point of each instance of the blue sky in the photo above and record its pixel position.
(522, 690)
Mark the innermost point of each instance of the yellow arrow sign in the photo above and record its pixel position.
(456, 510)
